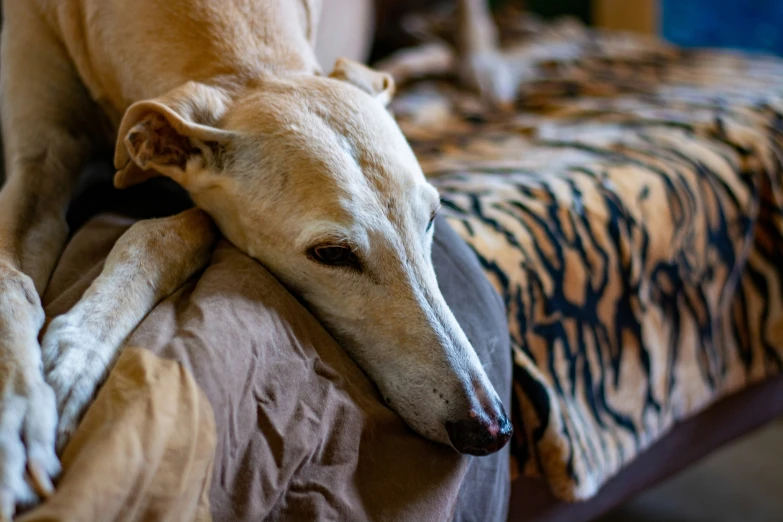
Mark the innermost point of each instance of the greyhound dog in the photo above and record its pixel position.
(307, 173)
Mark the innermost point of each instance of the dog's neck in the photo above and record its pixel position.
(289, 32)
(233, 45)
(283, 44)
(284, 33)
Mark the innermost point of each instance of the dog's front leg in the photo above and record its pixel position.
(48, 135)
(147, 264)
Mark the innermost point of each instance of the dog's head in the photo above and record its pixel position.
(312, 177)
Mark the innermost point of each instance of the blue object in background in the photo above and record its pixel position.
(755, 25)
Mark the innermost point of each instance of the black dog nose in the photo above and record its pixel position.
(479, 434)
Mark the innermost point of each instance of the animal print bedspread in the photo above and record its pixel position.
(630, 212)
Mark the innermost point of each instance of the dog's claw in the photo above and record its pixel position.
(39, 479)
(7, 505)
(71, 411)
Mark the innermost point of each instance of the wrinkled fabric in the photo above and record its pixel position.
(300, 433)
(144, 450)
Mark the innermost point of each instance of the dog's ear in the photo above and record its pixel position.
(377, 84)
(174, 136)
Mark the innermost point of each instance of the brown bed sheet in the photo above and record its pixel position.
(299, 432)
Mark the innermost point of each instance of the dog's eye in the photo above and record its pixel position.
(432, 218)
(335, 255)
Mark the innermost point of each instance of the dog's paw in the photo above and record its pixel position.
(27, 429)
(28, 463)
(28, 416)
(76, 362)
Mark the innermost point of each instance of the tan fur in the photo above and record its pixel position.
(227, 99)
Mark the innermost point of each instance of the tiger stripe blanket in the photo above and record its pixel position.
(629, 210)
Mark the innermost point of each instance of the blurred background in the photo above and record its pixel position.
(748, 25)
(753, 25)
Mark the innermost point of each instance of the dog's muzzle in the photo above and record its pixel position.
(481, 433)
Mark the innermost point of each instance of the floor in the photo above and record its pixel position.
(741, 483)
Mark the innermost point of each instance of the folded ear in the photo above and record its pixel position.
(172, 136)
(377, 84)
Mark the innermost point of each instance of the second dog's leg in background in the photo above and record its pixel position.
(482, 65)
(477, 31)
(478, 59)
(147, 264)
